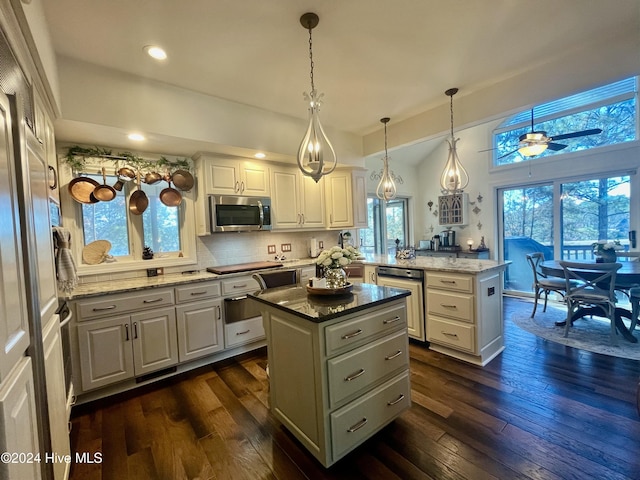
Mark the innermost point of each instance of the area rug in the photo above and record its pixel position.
(587, 333)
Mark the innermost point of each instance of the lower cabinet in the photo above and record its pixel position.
(344, 380)
(415, 304)
(200, 331)
(119, 348)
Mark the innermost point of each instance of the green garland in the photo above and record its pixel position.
(76, 158)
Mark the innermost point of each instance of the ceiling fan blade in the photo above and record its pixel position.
(555, 146)
(487, 150)
(582, 133)
(507, 154)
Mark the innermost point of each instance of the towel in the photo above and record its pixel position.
(65, 265)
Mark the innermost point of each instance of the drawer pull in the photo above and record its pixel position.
(244, 285)
(358, 425)
(198, 293)
(155, 300)
(448, 305)
(243, 333)
(102, 309)
(126, 332)
(393, 402)
(347, 336)
(353, 376)
(391, 320)
(454, 335)
(391, 357)
(451, 282)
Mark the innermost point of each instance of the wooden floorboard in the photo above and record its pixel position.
(540, 410)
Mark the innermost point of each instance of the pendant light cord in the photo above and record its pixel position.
(311, 59)
(451, 106)
(385, 140)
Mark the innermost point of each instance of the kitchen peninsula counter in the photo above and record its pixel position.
(438, 264)
(338, 365)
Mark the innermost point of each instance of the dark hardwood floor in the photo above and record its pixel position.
(540, 410)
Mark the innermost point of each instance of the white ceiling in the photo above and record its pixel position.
(372, 58)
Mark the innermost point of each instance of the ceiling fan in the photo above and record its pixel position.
(536, 142)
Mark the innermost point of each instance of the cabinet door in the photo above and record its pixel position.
(155, 344)
(200, 330)
(254, 179)
(415, 312)
(56, 396)
(18, 424)
(312, 202)
(360, 217)
(38, 169)
(14, 327)
(106, 355)
(339, 199)
(222, 178)
(370, 274)
(286, 211)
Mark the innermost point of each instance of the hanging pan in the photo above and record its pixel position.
(104, 192)
(183, 180)
(81, 190)
(170, 196)
(125, 174)
(138, 201)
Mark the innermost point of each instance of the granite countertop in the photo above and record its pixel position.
(319, 308)
(454, 265)
(438, 264)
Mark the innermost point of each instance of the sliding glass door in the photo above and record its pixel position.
(561, 220)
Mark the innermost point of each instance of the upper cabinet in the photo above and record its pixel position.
(359, 185)
(235, 177)
(339, 199)
(297, 201)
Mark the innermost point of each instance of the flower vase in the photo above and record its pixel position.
(336, 277)
(608, 256)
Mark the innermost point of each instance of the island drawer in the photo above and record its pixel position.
(351, 333)
(358, 369)
(363, 417)
(453, 305)
(119, 303)
(450, 281)
(453, 334)
(245, 331)
(235, 285)
(198, 292)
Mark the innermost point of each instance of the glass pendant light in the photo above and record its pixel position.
(386, 188)
(454, 177)
(316, 156)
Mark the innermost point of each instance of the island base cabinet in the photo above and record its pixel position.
(362, 418)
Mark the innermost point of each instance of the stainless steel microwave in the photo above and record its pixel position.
(239, 214)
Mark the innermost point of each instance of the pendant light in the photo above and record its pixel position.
(454, 177)
(316, 156)
(386, 188)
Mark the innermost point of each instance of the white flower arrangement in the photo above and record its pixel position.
(337, 257)
(601, 245)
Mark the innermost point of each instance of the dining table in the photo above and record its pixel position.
(627, 276)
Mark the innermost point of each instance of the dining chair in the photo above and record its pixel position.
(634, 300)
(594, 292)
(542, 283)
(277, 278)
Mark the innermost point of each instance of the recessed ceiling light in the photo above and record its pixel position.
(137, 137)
(259, 155)
(155, 52)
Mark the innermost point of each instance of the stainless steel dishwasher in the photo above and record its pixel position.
(411, 279)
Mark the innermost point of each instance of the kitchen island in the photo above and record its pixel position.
(338, 365)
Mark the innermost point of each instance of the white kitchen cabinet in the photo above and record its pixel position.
(370, 275)
(234, 177)
(297, 200)
(199, 321)
(339, 199)
(464, 315)
(415, 304)
(118, 348)
(18, 424)
(359, 186)
(346, 378)
(56, 397)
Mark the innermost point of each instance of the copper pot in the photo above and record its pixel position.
(138, 201)
(104, 193)
(81, 190)
(170, 196)
(183, 180)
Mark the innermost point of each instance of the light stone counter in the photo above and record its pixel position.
(438, 264)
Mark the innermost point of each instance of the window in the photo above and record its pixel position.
(160, 222)
(389, 222)
(611, 108)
